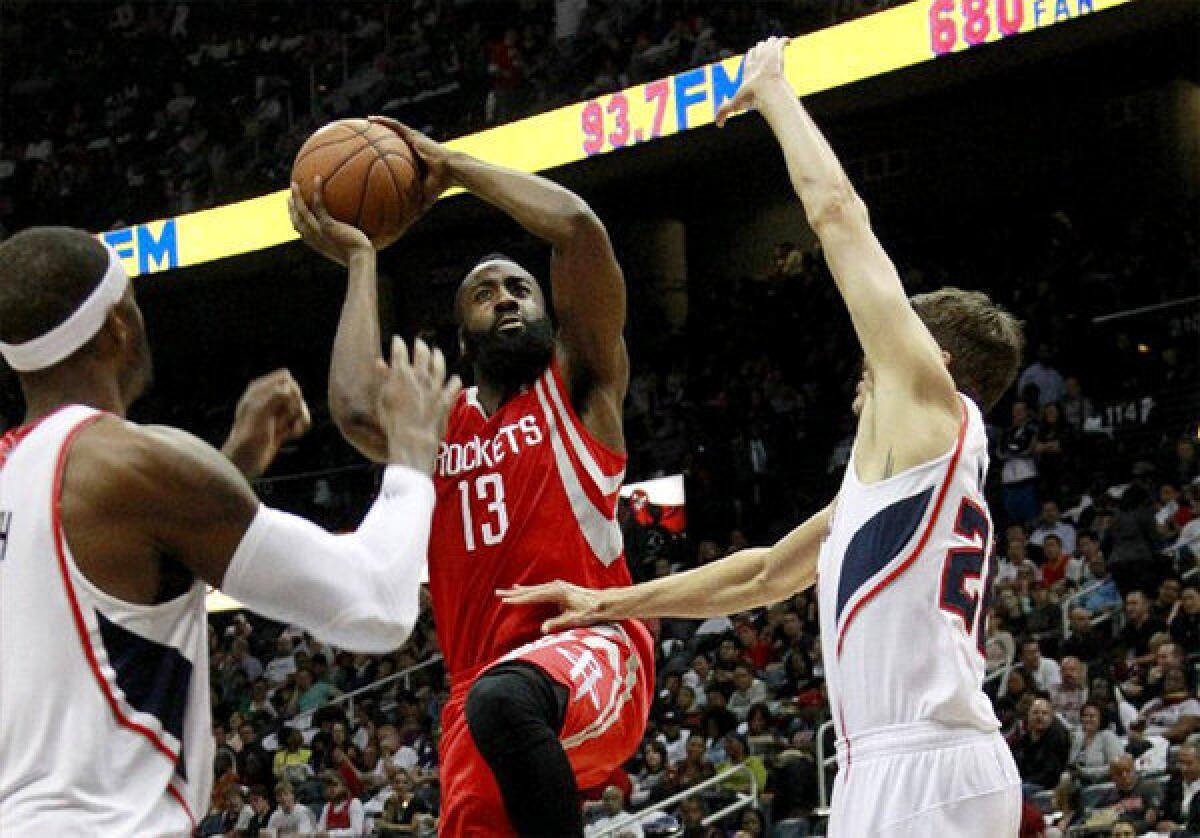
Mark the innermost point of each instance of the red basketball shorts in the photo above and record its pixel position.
(609, 673)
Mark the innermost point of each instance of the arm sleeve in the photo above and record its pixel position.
(359, 591)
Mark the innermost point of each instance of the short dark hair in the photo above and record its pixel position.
(45, 275)
(1051, 535)
(984, 340)
(494, 256)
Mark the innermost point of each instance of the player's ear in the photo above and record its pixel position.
(115, 333)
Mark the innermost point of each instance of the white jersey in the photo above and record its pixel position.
(104, 717)
(903, 587)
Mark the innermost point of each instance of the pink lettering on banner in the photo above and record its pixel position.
(957, 23)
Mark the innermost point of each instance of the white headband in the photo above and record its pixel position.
(69, 336)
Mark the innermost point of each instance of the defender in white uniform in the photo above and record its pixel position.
(104, 705)
(903, 589)
(903, 553)
(109, 532)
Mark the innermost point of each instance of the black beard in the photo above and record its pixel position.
(511, 361)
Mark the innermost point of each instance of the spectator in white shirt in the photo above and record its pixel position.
(1016, 556)
(1051, 523)
(1044, 672)
(700, 675)
(393, 752)
(1176, 715)
(1089, 549)
(747, 692)
(283, 664)
(672, 738)
(612, 804)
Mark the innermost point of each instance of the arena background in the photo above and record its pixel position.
(1057, 170)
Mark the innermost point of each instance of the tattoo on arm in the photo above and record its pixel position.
(889, 465)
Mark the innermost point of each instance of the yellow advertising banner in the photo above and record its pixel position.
(901, 37)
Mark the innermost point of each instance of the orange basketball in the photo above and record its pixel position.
(368, 174)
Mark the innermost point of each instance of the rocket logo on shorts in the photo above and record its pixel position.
(5, 522)
(585, 674)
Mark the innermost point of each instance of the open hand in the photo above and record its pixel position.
(270, 413)
(414, 400)
(579, 606)
(762, 66)
(432, 158)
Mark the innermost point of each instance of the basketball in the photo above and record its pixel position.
(369, 176)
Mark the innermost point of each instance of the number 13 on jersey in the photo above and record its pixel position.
(493, 522)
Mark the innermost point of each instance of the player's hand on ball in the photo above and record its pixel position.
(270, 413)
(432, 155)
(333, 239)
(763, 66)
(579, 606)
(414, 400)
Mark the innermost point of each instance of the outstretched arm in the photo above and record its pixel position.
(903, 356)
(134, 495)
(747, 579)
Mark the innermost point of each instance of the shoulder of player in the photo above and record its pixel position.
(914, 430)
(596, 369)
(148, 466)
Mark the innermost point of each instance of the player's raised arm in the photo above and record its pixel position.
(747, 579)
(354, 377)
(904, 358)
(147, 491)
(588, 285)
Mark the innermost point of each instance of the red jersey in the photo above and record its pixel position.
(524, 496)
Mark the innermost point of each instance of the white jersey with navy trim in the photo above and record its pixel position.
(104, 716)
(903, 587)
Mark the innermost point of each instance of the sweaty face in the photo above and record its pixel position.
(506, 333)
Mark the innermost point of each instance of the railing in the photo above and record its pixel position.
(1001, 673)
(822, 763)
(1069, 603)
(741, 802)
(304, 720)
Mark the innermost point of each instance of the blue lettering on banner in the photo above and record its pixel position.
(152, 253)
(687, 95)
(121, 241)
(163, 249)
(1086, 6)
(723, 87)
(1060, 10)
(1039, 9)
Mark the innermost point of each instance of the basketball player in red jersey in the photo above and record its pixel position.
(527, 484)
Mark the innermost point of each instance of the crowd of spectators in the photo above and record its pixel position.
(1094, 626)
(184, 105)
